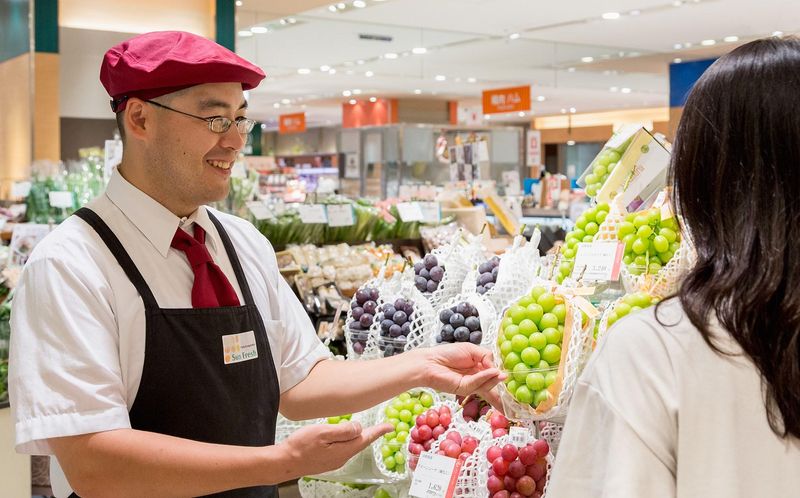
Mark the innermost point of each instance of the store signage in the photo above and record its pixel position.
(62, 199)
(435, 476)
(312, 213)
(20, 190)
(534, 148)
(431, 211)
(409, 211)
(598, 261)
(259, 210)
(341, 215)
(292, 123)
(507, 100)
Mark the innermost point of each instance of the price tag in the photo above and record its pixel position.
(519, 436)
(434, 477)
(20, 189)
(312, 213)
(259, 210)
(61, 199)
(238, 170)
(431, 212)
(409, 211)
(598, 261)
(341, 215)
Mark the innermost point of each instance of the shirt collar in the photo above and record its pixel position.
(153, 220)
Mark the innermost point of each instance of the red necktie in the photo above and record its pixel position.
(211, 287)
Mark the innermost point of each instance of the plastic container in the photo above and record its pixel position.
(391, 347)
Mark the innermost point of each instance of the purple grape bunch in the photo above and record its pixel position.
(362, 308)
(487, 275)
(460, 323)
(428, 274)
(395, 319)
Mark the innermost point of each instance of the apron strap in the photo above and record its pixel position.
(119, 252)
(233, 257)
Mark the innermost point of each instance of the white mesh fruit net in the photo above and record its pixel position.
(487, 314)
(608, 229)
(468, 480)
(667, 281)
(458, 258)
(315, 488)
(361, 336)
(484, 465)
(551, 432)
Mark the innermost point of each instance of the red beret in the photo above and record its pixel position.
(162, 62)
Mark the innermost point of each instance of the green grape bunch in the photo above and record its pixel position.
(631, 303)
(650, 242)
(602, 167)
(586, 227)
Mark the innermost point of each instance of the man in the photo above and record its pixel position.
(154, 339)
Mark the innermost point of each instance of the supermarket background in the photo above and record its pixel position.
(413, 118)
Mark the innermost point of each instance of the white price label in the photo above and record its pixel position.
(312, 213)
(259, 210)
(410, 211)
(238, 170)
(431, 212)
(61, 199)
(598, 261)
(341, 215)
(20, 189)
(434, 477)
(519, 436)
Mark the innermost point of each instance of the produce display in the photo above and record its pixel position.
(456, 445)
(586, 227)
(340, 419)
(529, 342)
(487, 275)
(460, 323)
(474, 408)
(602, 167)
(499, 423)
(517, 471)
(427, 428)
(428, 274)
(631, 303)
(5, 334)
(395, 319)
(401, 413)
(650, 242)
(362, 309)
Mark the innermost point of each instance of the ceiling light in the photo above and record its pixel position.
(541, 98)
(570, 69)
(340, 5)
(359, 4)
(777, 34)
(246, 33)
(360, 61)
(286, 101)
(347, 93)
(353, 101)
(677, 60)
(521, 114)
(390, 55)
(677, 3)
(570, 142)
(332, 8)
(471, 80)
(333, 71)
(283, 22)
(369, 74)
(614, 89)
(303, 106)
(687, 44)
(513, 36)
(417, 91)
(610, 16)
(276, 105)
(677, 46)
(259, 30)
(324, 68)
(419, 50)
(487, 116)
(373, 99)
(263, 126)
(563, 111)
(587, 59)
(239, 3)
(635, 12)
(357, 91)
(731, 39)
(440, 77)
(708, 43)
(625, 90)
(304, 70)
(572, 110)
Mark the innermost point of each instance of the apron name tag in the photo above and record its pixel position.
(239, 347)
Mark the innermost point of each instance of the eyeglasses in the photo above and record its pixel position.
(217, 124)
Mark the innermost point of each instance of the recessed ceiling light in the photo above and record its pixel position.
(541, 98)
(440, 77)
(331, 71)
(572, 110)
(677, 46)
(570, 69)
(614, 89)
(419, 50)
(677, 3)
(513, 36)
(360, 61)
(731, 39)
(635, 12)
(687, 44)
(487, 116)
(304, 70)
(286, 101)
(239, 3)
(324, 68)
(587, 59)
(625, 90)
(677, 60)
(245, 34)
(373, 99)
(276, 105)
(708, 43)
(471, 80)
(390, 55)
(357, 91)
(340, 5)
(259, 30)
(332, 8)
(352, 101)
(417, 91)
(610, 16)
(359, 4)
(570, 142)
(521, 114)
(369, 74)
(347, 93)
(777, 34)
(563, 111)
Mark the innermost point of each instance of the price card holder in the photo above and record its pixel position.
(311, 214)
(20, 190)
(519, 436)
(61, 199)
(434, 477)
(341, 215)
(259, 210)
(431, 212)
(410, 211)
(598, 261)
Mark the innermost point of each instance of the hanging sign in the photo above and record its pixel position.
(292, 123)
(507, 100)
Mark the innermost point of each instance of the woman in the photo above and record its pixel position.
(700, 396)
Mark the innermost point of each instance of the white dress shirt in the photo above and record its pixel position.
(657, 413)
(78, 324)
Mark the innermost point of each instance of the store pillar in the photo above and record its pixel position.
(46, 81)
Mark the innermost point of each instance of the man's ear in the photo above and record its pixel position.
(137, 119)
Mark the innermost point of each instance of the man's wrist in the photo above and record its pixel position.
(418, 366)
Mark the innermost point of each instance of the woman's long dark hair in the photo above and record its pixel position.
(736, 183)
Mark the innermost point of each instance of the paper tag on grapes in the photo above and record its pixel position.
(598, 261)
(435, 476)
(519, 436)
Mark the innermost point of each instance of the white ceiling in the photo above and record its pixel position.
(469, 43)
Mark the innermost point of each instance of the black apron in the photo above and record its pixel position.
(187, 390)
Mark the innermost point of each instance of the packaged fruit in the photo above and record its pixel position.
(465, 319)
(516, 470)
(360, 319)
(586, 228)
(394, 321)
(622, 307)
(650, 242)
(600, 169)
(440, 274)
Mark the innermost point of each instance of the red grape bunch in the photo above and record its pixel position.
(475, 408)
(362, 309)
(517, 472)
(499, 423)
(428, 274)
(427, 429)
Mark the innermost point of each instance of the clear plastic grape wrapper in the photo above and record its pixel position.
(389, 452)
(513, 464)
(467, 317)
(361, 315)
(502, 278)
(602, 166)
(622, 307)
(440, 275)
(544, 340)
(551, 432)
